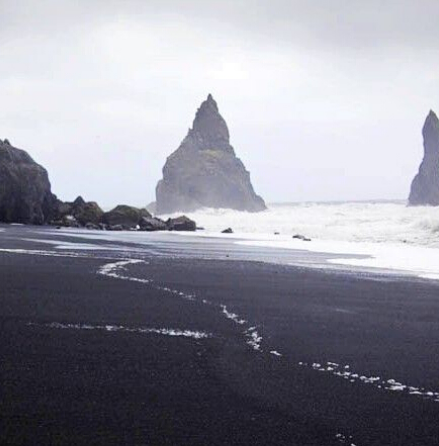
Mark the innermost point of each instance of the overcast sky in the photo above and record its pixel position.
(325, 99)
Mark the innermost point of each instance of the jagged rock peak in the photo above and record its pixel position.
(204, 171)
(430, 130)
(79, 201)
(425, 186)
(209, 124)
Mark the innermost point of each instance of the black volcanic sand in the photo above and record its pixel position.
(95, 387)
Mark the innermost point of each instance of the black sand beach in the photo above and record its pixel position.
(208, 346)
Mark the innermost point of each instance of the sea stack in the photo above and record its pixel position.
(204, 171)
(425, 186)
(25, 194)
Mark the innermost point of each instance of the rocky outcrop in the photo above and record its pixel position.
(227, 231)
(25, 193)
(181, 223)
(78, 213)
(425, 186)
(127, 217)
(152, 224)
(204, 171)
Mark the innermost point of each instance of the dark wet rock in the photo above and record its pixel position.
(425, 186)
(127, 216)
(182, 223)
(301, 237)
(25, 192)
(92, 226)
(89, 213)
(227, 231)
(152, 224)
(84, 212)
(67, 221)
(115, 228)
(204, 171)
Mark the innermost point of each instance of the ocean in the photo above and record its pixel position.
(388, 234)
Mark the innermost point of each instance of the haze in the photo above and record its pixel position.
(324, 100)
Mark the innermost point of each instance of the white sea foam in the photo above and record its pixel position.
(345, 439)
(114, 270)
(120, 328)
(232, 316)
(377, 222)
(388, 235)
(275, 353)
(253, 338)
(391, 385)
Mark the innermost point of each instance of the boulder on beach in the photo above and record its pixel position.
(227, 231)
(301, 237)
(152, 224)
(425, 186)
(181, 223)
(128, 217)
(204, 171)
(85, 213)
(25, 191)
(92, 226)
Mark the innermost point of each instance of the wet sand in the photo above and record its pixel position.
(182, 350)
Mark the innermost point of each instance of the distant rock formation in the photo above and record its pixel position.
(25, 193)
(204, 171)
(425, 186)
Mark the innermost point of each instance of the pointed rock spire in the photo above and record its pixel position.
(204, 171)
(210, 125)
(430, 133)
(425, 186)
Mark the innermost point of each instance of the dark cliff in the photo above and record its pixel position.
(25, 193)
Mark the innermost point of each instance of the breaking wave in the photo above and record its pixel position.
(378, 222)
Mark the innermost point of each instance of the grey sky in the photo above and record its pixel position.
(325, 100)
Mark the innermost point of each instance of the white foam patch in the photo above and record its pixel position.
(253, 339)
(275, 353)
(120, 328)
(232, 316)
(391, 385)
(173, 291)
(114, 270)
(345, 439)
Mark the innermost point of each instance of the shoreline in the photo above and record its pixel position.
(357, 257)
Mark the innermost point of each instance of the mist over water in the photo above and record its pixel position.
(377, 222)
